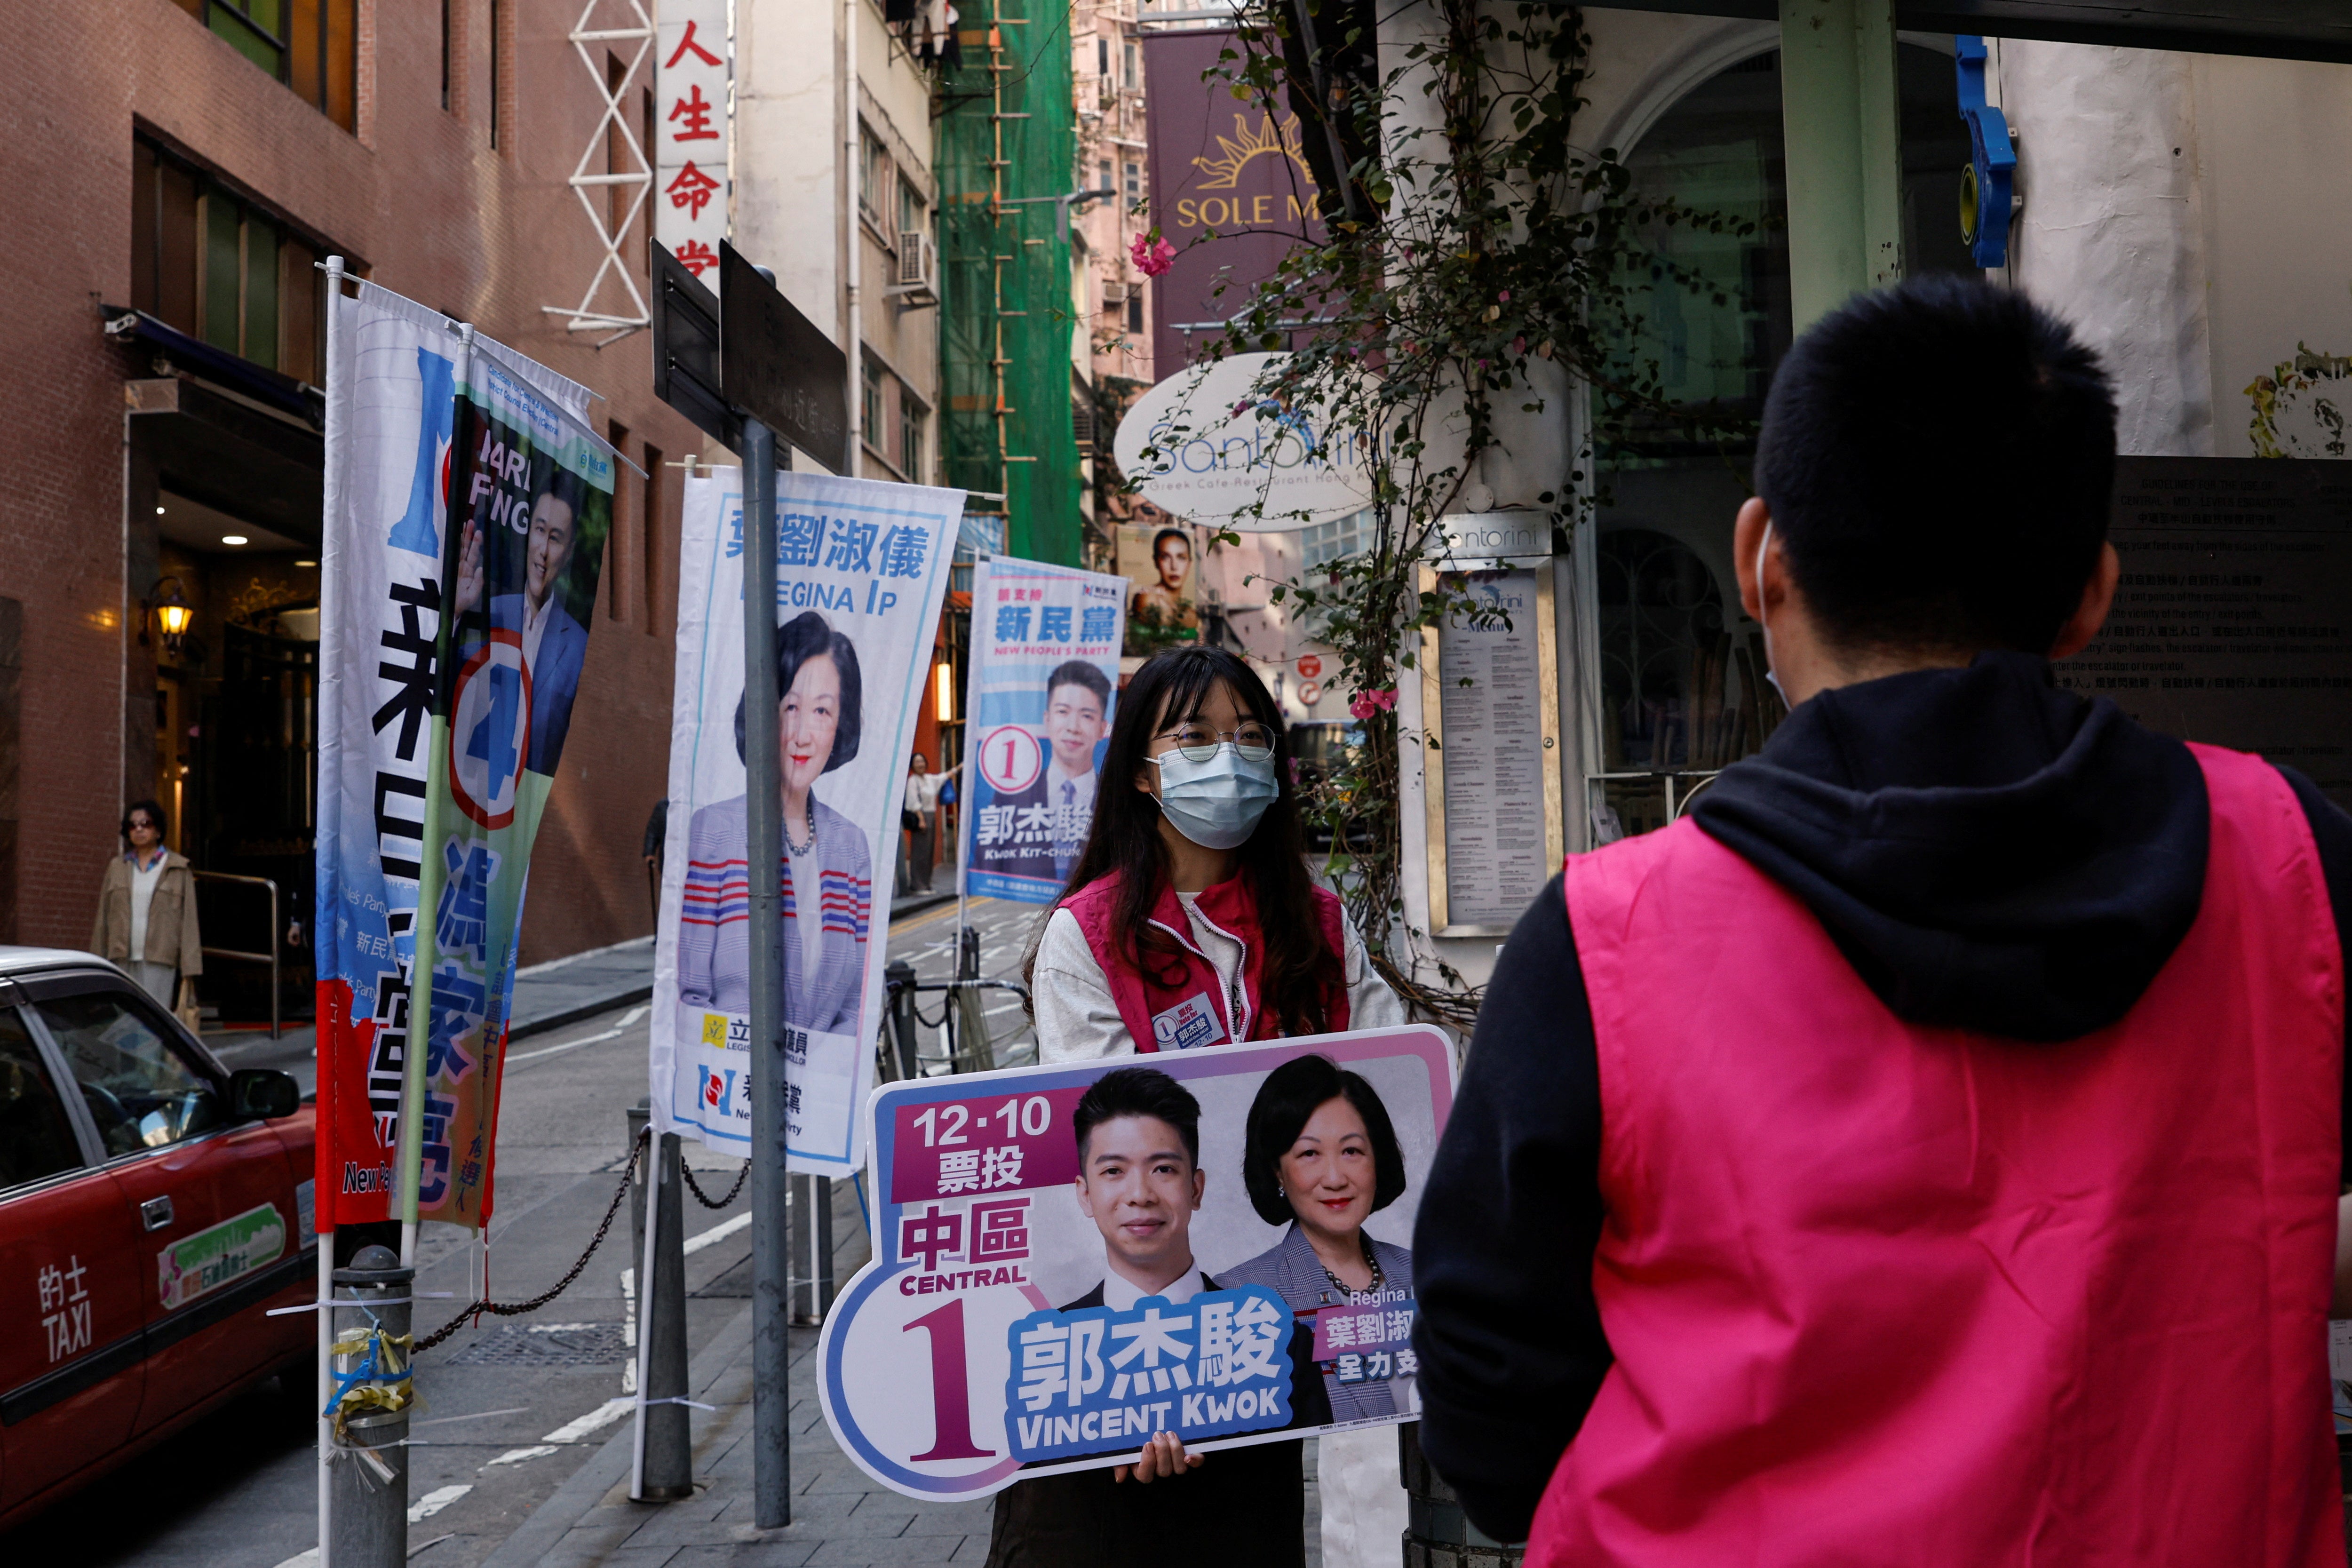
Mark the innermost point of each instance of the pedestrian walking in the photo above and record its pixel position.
(1926, 1150)
(919, 814)
(147, 909)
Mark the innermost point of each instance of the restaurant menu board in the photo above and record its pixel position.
(2232, 622)
(1490, 725)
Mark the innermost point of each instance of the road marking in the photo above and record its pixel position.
(628, 1019)
(420, 1511)
(434, 1501)
(517, 1455)
(604, 1415)
(478, 1416)
(717, 1232)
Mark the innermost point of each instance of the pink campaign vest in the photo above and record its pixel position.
(1184, 1006)
(1885, 1294)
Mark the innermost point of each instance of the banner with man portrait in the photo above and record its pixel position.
(1042, 687)
(861, 568)
(1071, 1258)
(395, 371)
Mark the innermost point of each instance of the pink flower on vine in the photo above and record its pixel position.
(1368, 703)
(1151, 255)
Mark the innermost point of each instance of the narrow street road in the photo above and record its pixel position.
(509, 1410)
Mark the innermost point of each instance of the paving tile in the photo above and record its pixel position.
(774, 1554)
(953, 1517)
(891, 1551)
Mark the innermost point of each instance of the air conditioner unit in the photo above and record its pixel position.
(918, 270)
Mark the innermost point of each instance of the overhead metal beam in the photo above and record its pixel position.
(2276, 30)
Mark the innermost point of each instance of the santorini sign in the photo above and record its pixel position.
(1207, 445)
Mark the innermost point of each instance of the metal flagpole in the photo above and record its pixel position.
(763, 851)
(330, 546)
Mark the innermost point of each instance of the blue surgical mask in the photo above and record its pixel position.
(1216, 803)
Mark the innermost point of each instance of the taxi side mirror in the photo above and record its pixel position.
(262, 1092)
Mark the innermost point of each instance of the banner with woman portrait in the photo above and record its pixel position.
(1071, 1258)
(1044, 681)
(861, 568)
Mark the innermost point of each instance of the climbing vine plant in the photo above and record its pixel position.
(1471, 259)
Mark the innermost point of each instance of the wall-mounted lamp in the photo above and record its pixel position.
(943, 686)
(168, 609)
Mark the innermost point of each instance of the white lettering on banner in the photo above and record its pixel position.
(692, 125)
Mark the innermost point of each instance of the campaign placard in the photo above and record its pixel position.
(1043, 685)
(861, 568)
(1071, 1258)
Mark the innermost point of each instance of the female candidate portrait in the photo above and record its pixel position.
(828, 872)
(1192, 922)
(1320, 1156)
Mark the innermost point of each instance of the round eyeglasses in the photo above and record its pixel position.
(1253, 742)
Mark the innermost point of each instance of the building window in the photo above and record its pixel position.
(873, 178)
(311, 46)
(1102, 176)
(1127, 77)
(217, 268)
(911, 209)
(871, 405)
(1134, 182)
(1102, 57)
(1327, 541)
(1135, 312)
(910, 437)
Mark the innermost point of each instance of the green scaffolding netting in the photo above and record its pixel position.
(1036, 465)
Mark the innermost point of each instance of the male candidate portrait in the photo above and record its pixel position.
(555, 646)
(1077, 716)
(1140, 1181)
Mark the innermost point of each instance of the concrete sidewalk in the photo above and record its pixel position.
(546, 996)
(841, 1516)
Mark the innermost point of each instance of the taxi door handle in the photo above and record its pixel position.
(156, 1213)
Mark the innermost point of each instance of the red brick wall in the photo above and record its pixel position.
(418, 195)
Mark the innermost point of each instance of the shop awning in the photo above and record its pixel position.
(2279, 29)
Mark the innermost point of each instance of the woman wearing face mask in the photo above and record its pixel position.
(1190, 920)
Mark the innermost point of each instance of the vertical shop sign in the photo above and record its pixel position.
(691, 131)
(861, 568)
(1045, 678)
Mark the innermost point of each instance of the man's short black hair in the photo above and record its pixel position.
(1139, 1091)
(1285, 1102)
(1938, 459)
(1078, 672)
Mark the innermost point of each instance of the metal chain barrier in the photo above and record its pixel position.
(501, 1309)
(705, 1199)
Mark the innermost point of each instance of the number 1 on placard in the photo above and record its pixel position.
(950, 1389)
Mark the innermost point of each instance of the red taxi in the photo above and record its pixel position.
(152, 1206)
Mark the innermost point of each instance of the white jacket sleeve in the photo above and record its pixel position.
(1370, 1003)
(1077, 1019)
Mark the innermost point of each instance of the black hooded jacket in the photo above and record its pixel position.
(1989, 851)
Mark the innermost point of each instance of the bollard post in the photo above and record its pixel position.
(811, 1250)
(371, 1362)
(667, 1473)
(899, 975)
(968, 954)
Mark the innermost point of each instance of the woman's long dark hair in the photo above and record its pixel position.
(1124, 840)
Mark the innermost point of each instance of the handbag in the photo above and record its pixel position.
(188, 1012)
(910, 819)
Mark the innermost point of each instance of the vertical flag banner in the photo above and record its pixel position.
(1043, 684)
(530, 494)
(392, 393)
(861, 568)
(690, 130)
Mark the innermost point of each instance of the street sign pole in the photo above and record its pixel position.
(771, 1251)
(746, 367)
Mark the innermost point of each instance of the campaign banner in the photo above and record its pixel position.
(394, 371)
(861, 568)
(1043, 683)
(1017, 1321)
(530, 505)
